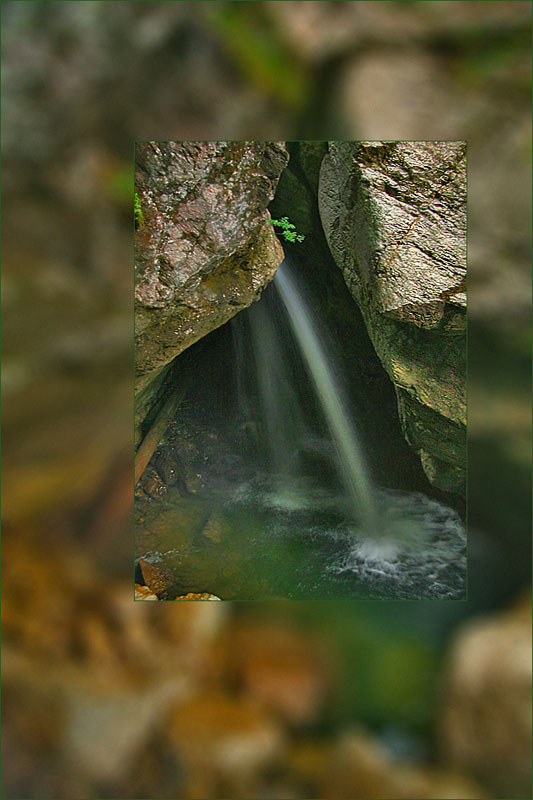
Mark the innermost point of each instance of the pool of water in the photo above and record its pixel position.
(283, 465)
(258, 538)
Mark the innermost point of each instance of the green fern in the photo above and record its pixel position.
(288, 230)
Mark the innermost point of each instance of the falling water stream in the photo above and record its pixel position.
(283, 503)
(354, 471)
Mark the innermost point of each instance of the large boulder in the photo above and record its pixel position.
(205, 245)
(394, 215)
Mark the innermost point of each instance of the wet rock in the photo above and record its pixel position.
(394, 215)
(175, 522)
(296, 196)
(224, 743)
(99, 737)
(139, 493)
(317, 31)
(43, 579)
(155, 576)
(205, 246)
(213, 529)
(144, 593)
(295, 200)
(309, 157)
(192, 628)
(151, 482)
(486, 718)
(96, 664)
(412, 82)
(170, 467)
(87, 671)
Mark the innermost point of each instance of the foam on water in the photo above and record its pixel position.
(300, 494)
(298, 514)
(419, 552)
(423, 544)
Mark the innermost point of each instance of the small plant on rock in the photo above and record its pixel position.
(288, 230)
(138, 212)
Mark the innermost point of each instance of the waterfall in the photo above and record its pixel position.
(286, 506)
(307, 333)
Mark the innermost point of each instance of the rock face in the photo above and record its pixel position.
(394, 215)
(205, 246)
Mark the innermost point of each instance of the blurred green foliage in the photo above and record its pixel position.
(119, 184)
(255, 47)
(389, 672)
(477, 55)
(390, 657)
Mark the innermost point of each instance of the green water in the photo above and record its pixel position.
(283, 471)
(259, 542)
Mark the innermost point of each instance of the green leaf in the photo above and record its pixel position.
(288, 230)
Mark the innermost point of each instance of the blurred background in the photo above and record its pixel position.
(106, 698)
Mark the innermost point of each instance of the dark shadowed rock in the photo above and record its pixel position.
(205, 247)
(394, 215)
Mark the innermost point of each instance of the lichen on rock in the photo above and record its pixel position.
(394, 215)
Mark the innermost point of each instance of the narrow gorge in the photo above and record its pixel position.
(300, 410)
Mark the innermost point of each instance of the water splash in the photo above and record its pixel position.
(350, 454)
(420, 552)
(423, 545)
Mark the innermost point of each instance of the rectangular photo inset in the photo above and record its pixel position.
(300, 370)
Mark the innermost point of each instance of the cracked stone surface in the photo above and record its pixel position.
(394, 215)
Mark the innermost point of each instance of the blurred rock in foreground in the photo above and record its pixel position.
(486, 722)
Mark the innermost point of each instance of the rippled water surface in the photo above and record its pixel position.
(285, 504)
(258, 540)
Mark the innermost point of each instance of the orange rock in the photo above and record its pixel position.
(281, 668)
(38, 586)
(153, 485)
(201, 596)
(144, 593)
(225, 743)
(156, 577)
